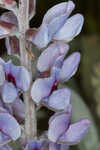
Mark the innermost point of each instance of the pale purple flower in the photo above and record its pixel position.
(9, 127)
(56, 25)
(14, 80)
(61, 131)
(48, 57)
(44, 90)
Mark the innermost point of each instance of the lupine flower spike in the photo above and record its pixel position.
(20, 97)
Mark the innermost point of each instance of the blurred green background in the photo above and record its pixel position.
(86, 83)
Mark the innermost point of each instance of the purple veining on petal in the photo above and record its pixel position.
(54, 87)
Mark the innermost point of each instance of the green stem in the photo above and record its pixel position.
(30, 112)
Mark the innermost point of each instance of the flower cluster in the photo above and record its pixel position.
(61, 134)
(45, 90)
(13, 81)
(57, 26)
(57, 30)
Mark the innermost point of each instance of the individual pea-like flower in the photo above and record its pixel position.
(44, 90)
(62, 132)
(9, 127)
(56, 25)
(14, 79)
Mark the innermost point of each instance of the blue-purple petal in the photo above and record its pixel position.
(70, 66)
(41, 88)
(60, 99)
(9, 92)
(22, 78)
(75, 132)
(58, 124)
(49, 55)
(9, 126)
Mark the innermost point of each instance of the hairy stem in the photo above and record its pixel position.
(30, 113)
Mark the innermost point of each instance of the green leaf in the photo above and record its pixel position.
(80, 110)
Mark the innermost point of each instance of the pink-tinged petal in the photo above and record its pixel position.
(70, 29)
(41, 88)
(12, 45)
(49, 55)
(9, 126)
(9, 92)
(39, 37)
(9, 17)
(70, 66)
(6, 29)
(58, 10)
(64, 147)
(18, 108)
(2, 75)
(9, 4)
(60, 99)
(75, 132)
(58, 125)
(54, 146)
(6, 147)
